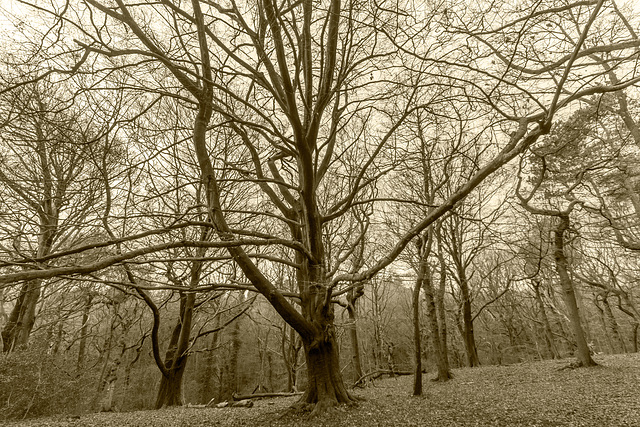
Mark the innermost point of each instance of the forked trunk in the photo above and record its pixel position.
(437, 341)
(170, 390)
(325, 385)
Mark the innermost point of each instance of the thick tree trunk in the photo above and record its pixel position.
(325, 385)
(175, 362)
(562, 268)
(170, 390)
(108, 386)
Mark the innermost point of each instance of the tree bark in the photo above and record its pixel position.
(170, 389)
(106, 405)
(562, 268)
(467, 323)
(442, 320)
(417, 374)
(325, 385)
(437, 334)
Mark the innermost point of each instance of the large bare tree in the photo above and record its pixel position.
(309, 97)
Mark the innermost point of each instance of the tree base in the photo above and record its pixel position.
(322, 407)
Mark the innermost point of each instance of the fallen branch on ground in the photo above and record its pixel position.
(257, 395)
(377, 374)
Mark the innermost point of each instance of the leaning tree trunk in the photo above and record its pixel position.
(562, 268)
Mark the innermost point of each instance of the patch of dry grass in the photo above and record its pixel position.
(528, 394)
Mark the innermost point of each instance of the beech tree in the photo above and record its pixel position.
(309, 98)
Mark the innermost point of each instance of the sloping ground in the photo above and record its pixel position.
(528, 394)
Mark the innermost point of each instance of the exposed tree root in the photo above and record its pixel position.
(320, 408)
(377, 374)
(259, 395)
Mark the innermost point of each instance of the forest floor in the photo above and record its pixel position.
(526, 394)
